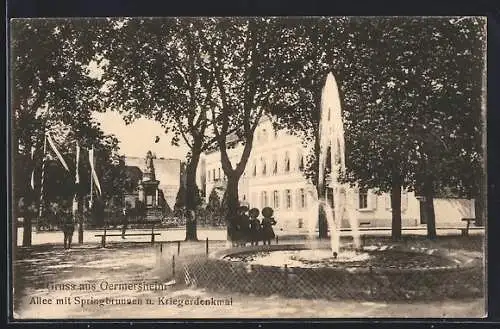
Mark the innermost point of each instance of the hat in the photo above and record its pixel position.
(254, 212)
(267, 212)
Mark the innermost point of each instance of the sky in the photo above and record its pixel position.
(138, 138)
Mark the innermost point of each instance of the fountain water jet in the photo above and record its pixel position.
(331, 166)
(332, 224)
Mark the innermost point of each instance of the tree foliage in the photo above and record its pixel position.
(410, 91)
(53, 90)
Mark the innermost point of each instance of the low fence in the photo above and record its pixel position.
(195, 266)
(330, 283)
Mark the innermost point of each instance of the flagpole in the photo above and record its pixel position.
(78, 213)
(91, 179)
(42, 181)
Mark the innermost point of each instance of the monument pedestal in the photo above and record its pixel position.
(150, 195)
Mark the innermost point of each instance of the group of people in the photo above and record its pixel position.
(248, 227)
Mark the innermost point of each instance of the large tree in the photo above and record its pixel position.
(320, 46)
(247, 57)
(157, 68)
(448, 123)
(419, 124)
(392, 87)
(50, 86)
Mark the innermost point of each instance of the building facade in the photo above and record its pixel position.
(274, 177)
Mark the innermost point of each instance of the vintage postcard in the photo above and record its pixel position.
(259, 167)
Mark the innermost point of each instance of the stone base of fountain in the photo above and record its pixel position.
(378, 273)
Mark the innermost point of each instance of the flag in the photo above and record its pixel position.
(77, 174)
(92, 168)
(59, 156)
(33, 171)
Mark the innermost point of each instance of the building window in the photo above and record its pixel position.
(288, 198)
(264, 166)
(264, 201)
(276, 199)
(218, 176)
(303, 201)
(301, 223)
(254, 169)
(213, 174)
(208, 176)
(275, 166)
(363, 199)
(287, 162)
(301, 162)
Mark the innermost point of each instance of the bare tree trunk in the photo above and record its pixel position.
(322, 221)
(27, 228)
(191, 195)
(396, 209)
(231, 204)
(479, 207)
(428, 191)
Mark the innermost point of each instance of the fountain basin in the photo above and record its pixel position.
(378, 273)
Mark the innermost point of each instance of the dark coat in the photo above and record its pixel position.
(255, 229)
(68, 225)
(267, 228)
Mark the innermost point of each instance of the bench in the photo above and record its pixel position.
(103, 236)
(465, 231)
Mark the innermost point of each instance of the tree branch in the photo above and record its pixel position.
(183, 134)
(212, 140)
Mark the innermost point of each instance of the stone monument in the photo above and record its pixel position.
(148, 190)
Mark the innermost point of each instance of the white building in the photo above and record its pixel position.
(274, 178)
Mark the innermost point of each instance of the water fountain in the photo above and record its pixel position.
(331, 166)
(375, 271)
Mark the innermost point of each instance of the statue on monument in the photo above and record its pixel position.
(149, 170)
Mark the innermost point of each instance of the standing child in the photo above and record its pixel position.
(267, 225)
(254, 226)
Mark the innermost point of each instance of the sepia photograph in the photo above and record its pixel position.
(248, 167)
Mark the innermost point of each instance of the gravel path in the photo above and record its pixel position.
(87, 273)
